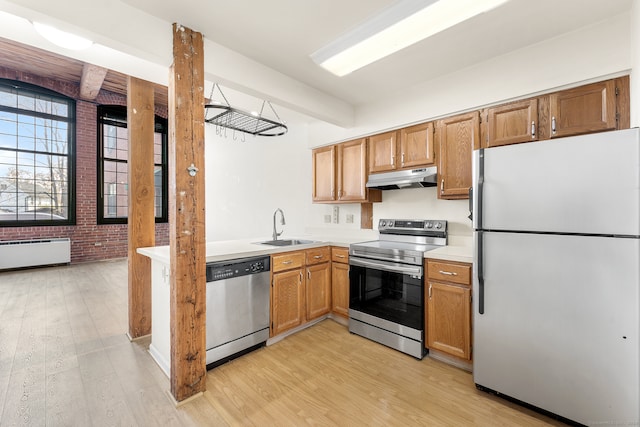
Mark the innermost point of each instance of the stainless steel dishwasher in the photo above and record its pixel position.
(237, 308)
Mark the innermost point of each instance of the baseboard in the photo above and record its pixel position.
(450, 360)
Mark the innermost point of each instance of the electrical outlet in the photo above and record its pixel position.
(349, 218)
(327, 219)
(336, 213)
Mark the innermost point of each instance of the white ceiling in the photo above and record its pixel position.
(270, 42)
(283, 33)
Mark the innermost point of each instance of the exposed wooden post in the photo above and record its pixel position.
(141, 219)
(186, 215)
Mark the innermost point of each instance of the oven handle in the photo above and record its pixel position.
(387, 266)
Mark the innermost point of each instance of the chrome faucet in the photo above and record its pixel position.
(275, 233)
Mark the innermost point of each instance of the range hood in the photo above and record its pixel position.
(423, 177)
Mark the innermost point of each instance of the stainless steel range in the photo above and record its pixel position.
(386, 280)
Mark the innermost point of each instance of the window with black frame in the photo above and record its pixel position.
(113, 181)
(37, 142)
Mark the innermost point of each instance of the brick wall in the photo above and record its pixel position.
(89, 240)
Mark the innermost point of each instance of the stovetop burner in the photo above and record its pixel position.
(403, 240)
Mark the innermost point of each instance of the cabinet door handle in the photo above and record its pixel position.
(393, 160)
(448, 273)
(340, 256)
(317, 256)
(442, 186)
(402, 159)
(533, 130)
(287, 262)
(309, 274)
(429, 291)
(553, 125)
(300, 278)
(333, 194)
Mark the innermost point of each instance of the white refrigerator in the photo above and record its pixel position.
(556, 286)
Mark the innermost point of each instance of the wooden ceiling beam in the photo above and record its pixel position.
(91, 81)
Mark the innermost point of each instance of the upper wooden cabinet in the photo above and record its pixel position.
(456, 137)
(416, 146)
(591, 108)
(408, 148)
(352, 171)
(340, 174)
(585, 109)
(383, 152)
(324, 174)
(510, 123)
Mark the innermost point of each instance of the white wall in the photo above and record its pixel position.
(247, 181)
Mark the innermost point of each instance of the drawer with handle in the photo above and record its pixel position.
(287, 261)
(340, 255)
(448, 271)
(318, 255)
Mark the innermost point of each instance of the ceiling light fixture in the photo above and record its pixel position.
(402, 24)
(62, 38)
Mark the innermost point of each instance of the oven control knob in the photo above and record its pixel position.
(438, 225)
(429, 225)
(382, 223)
(390, 223)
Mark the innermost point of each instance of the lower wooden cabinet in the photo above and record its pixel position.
(287, 300)
(300, 288)
(448, 308)
(318, 290)
(340, 281)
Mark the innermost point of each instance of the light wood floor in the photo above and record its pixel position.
(65, 360)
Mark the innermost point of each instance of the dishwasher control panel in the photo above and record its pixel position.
(229, 269)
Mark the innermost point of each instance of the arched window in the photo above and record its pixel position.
(37, 142)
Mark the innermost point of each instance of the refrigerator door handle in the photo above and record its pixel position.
(480, 270)
(477, 195)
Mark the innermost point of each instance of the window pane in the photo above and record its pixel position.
(34, 156)
(26, 102)
(8, 99)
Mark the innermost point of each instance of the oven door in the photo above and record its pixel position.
(387, 290)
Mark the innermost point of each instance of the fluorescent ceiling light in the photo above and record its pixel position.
(404, 23)
(62, 38)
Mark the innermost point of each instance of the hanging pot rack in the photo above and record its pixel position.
(232, 118)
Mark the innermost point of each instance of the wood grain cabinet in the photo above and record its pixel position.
(585, 109)
(511, 123)
(383, 151)
(456, 137)
(340, 174)
(407, 148)
(287, 291)
(417, 146)
(300, 288)
(318, 286)
(324, 174)
(448, 308)
(340, 281)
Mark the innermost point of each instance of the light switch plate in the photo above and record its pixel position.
(336, 213)
(349, 218)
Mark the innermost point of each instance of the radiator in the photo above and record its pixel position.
(30, 253)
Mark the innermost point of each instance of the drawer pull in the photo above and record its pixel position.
(340, 256)
(318, 256)
(288, 262)
(448, 273)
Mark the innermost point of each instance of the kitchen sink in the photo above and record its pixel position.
(287, 242)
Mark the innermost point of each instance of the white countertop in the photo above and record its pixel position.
(230, 249)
